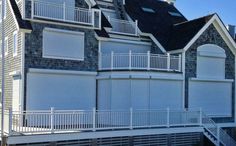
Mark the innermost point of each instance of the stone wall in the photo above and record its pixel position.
(210, 36)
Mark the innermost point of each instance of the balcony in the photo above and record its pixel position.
(66, 121)
(140, 61)
(62, 12)
(123, 27)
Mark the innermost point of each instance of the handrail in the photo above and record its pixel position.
(220, 135)
(139, 61)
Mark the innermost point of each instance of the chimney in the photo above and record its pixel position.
(231, 29)
(172, 2)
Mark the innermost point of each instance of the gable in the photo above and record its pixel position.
(218, 28)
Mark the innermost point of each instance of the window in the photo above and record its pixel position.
(5, 10)
(149, 10)
(5, 47)
(15, 43)
(212, 56)
(63, 44)
(176, 14)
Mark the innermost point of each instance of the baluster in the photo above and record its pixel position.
(130, 59)
(112, 59)
(168, 62)
(52, 120)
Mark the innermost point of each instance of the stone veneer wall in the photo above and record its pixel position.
(210, 36)
(34, 58)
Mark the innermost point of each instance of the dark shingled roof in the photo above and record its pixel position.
(173, 32)
(182, 33)
(23, 24)
(159, 23)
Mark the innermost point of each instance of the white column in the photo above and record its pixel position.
(179, 65)
(112, 61)
(168, 117)
(32, 9)
(10, 121)
(52, 120)
(131, 118)
(64, 11)
(168, 62)
(130, 59)
(94, 119)
(148, 60)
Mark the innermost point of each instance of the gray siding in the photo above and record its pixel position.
(210, 36)
(11, 63)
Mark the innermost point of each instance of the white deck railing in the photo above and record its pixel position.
(58, 121)
(39, 122)
(62, 12)
(123, 26)
(140, 61)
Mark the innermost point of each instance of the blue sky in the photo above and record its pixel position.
(191, 9)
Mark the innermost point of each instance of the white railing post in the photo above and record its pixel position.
(64, 11)
(93, 17)
(99, 60)
(148, 60)
(52, 119)
(130, 59)
(168, 62)
(200, 116)
(168, 117)
(32, 9)
(136, 27)
(218, 136)
(179, 65)
(10, 121)
(131, 118)
(112, 60)
(123, 2)
(94, 119)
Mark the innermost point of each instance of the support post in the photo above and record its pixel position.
(200, 117)
(218, 135)
(168, 62)
(168, 117)
(52, 119)
(148, 60)
(32, 9)
(100, 60)
(136, 27)
(112, 59)
(64, 11)
(94, 119)
(130, 59)
(131, 118)
(180, 66)
(10, 121)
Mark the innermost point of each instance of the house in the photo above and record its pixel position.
(110, 72)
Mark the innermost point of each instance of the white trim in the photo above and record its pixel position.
(15, 73)
(14, 17)
(215, 20)
(52, 71)
(101, 134)
(62, 24)
(211, 80)
(175, 51)
(22, 91)
(199, 33)
(63, 31)
(107, 10)
(184, 75)
(15, 44)
(128, 41)
(62, 57)
(7, 46)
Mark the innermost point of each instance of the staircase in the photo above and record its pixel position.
(120, 10)
(216, 134)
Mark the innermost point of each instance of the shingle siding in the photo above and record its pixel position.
(210, 36)
(34, 50)
(11, 63)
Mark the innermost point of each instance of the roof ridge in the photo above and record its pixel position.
(210, 15)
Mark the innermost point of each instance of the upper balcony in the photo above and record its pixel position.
(61, 12)
(140, 61)
(123, 26)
